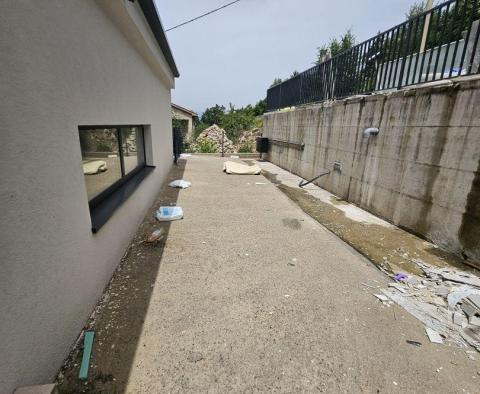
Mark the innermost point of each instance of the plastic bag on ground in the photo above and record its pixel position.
(167, 214)
(180, 183)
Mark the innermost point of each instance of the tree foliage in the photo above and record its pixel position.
(335, 46)
(233, 120)
(276, 81)
(447, 24)
(213, 115)
(416, 9)
(199, 127)
(207, 146)
(261, 107)
(236, 120)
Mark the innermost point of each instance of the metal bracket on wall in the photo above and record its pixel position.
(294, 145)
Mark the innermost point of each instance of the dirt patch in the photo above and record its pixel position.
(292, 223)
(118, 317)
(390, 248)
(271, 177)
(338, 201)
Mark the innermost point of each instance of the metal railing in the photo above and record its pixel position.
(438, 44)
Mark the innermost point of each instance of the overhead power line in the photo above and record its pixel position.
(201, 16)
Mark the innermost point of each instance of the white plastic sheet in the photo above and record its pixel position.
(94, 167)
(180, 183)
(167, 214)
(234, 167)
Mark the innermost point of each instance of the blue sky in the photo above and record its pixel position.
(234, 55)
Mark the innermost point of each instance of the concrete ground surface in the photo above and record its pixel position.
(250, 294)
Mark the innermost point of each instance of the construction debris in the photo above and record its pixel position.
(400, 276)
(445, 300)
(474, 299)
(398, 287)
(87, 351)
(414, 343)
(434, 336)
(155, 236)
(381, 297)
(248, 139)
(216, 137)
(167, 214)
(180, 183)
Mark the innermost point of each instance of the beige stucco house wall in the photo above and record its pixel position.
(66, 63)
(186, 115)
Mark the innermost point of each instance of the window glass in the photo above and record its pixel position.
(101, 159)
(103, 162)
(132, 147)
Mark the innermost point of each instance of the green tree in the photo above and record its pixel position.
(416, 9)
(245, 148)
(335, 46)
(236, 120)
(276, 81)
(213, 115)
(199, 127)
(294, 73)
(207, 146)
(452, 21)
(260, 107)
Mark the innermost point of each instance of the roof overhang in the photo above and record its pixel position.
(186, 110)
(153, 19)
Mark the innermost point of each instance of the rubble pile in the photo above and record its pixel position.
(215, 134)
(249, 138)
(445, 300)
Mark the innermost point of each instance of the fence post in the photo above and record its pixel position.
(223, 142)
(426, 26)
(472, 44)
(404, 57)
(301, 87)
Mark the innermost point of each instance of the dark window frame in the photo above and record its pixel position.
(104, 204)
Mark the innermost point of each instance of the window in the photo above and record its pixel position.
(133, 151)
(104, 162)
(113, 160)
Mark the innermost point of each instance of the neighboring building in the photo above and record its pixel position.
(186, 116)
(86, 145)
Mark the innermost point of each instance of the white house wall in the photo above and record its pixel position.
(64, 64)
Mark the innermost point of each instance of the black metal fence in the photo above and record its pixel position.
(438, 44)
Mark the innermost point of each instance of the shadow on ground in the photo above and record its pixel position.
(119, 315)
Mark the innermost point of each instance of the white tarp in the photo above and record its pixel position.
(234, 167)
(94, 167)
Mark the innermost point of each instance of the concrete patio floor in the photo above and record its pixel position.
(250, 294)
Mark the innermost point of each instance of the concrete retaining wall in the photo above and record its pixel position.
(421, 172)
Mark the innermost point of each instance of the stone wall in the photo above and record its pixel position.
(421, 172)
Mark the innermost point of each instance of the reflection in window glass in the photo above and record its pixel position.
(132, 147)
(104, 164)
(101, 159)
